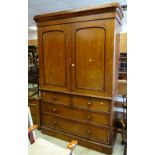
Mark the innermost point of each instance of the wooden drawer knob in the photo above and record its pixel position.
(44, 93)
(89, 117)
(55, 122)
(54, 109)
(88, 131)
(54, 98)
(89, 103)
(102, 103)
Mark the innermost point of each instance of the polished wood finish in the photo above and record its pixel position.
(54, 73)
(89, 48)
(106, 8)
(100, 119)
(92, 45)
(99, 134)
(123, 42)
(91, 103)
(54, 64)
(34, 104)
(78, 56)
(56, 97)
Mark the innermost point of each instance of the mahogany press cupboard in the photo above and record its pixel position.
(78, 62)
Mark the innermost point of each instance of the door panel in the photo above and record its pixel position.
(92, 54)
(54, 54)
(90, 58)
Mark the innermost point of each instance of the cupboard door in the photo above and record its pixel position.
(54, 53)
(92, 57)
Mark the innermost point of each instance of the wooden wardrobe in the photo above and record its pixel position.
(78, 64)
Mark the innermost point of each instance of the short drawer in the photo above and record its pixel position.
(54, 97)
(80, 129)
(91, 103)
(76, 114)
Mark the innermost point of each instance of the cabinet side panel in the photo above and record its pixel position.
(116, 57)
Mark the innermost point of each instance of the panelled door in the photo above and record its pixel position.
(54, 53)
(92, 44)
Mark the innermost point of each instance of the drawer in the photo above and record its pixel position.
(91, 103)
(54, 97)
(76, 114)
(80, 129)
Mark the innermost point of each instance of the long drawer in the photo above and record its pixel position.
(91, 103)
(80, 129)
(76, 114)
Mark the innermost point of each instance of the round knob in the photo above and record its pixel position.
(90, 60)
(54, 110)
(89, 117)
(54, 97)
(44, 93)
(88, 131)
(89, 103)
(55, 122)
(73, 65)
(101, 102)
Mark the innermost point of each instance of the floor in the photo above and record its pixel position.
(79, 150)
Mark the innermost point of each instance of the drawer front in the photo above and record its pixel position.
(91, 103)
(76, 114)
(56, 97)
(76, 128)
